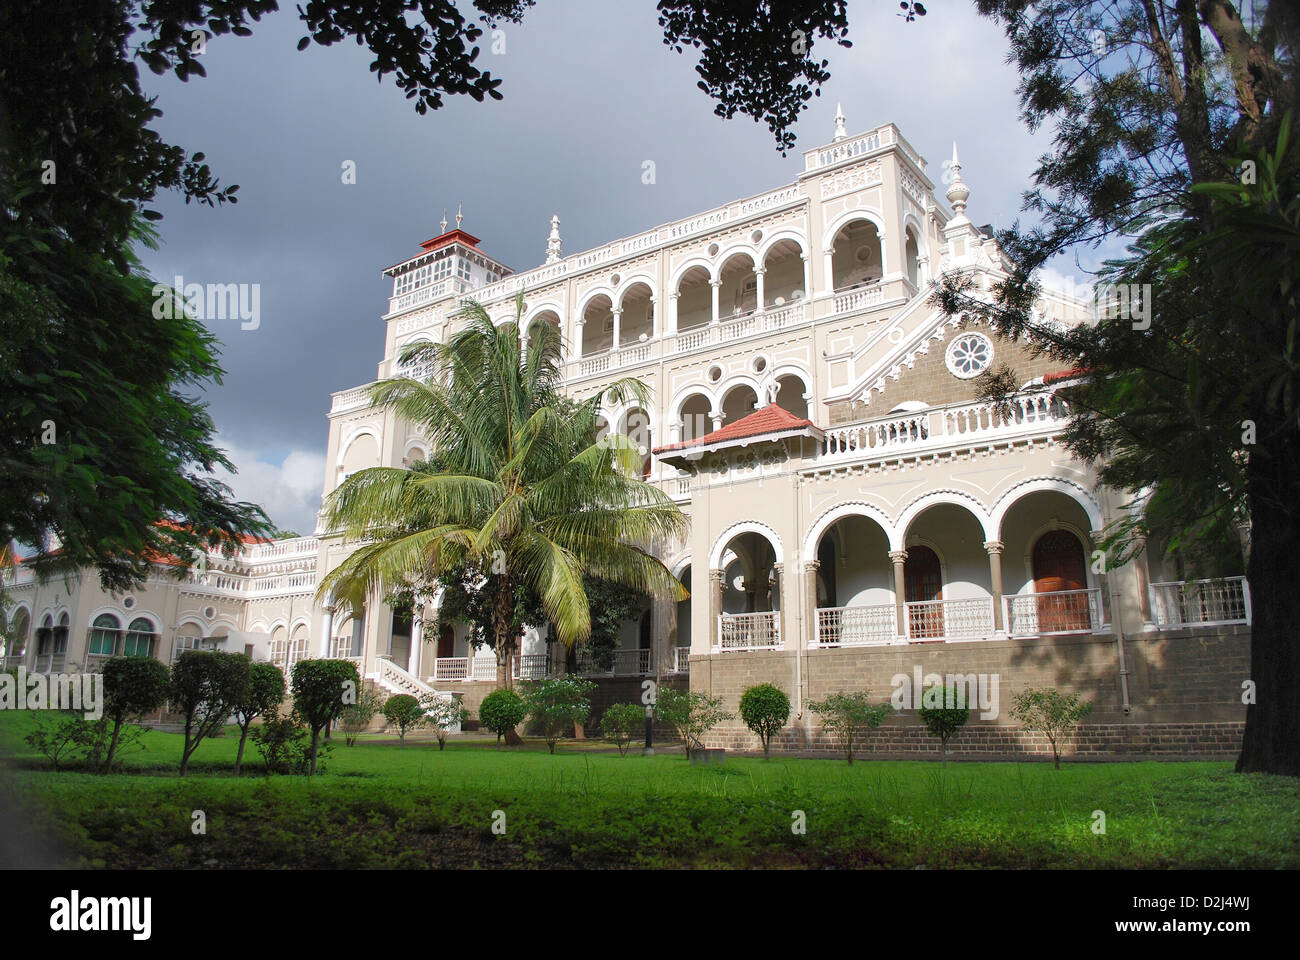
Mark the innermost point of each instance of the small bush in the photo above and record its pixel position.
(765, 709)
(404, 712)
(501, 711)
(847, 718)
(285, 745)
(555, 704)
(621, 723)
(944, 712)
(444, 714)
(355, 717)
(1052, 713)
(692, 713)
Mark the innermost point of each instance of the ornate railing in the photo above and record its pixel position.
(531, 666)
(465, 668)
(681, 659)
(867, 296)
(1201, 602)
(749, 631)
(624, 663)
(941, 426)
(1055, 612)
(950, 619)
(856, 626)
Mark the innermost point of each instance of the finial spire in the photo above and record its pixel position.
(553, 253)
(840, 132)
(444, 219)
(459, 216)
(958, 193)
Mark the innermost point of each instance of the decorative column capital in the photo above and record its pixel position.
(715, 283)
(715, 575)
(812, 566)
(992, 547)
(759, 271)
(898, 556)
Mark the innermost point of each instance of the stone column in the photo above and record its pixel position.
(807, 275)
(715, 608)
(810, 579)
(828, 264)
(618, 328)
(716, 286)
(1107, 608)
(655, 324)
(326, 628)
(781, 619)
(898, 558)
(577, 338)
(417, 642)
(716, 417)
(670, 321)
(1142, 571)
(760, 273)
(994, 550)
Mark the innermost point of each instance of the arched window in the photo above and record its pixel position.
(923, 586)
(19, 627)
(141, 641)
(105, 636)
(61, 634)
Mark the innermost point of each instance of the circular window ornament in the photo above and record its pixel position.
(715, 374)
(128, 602)
(969, 355)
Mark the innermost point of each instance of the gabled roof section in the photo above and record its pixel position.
(772, 422)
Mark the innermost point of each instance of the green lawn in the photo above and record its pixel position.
(382, 805)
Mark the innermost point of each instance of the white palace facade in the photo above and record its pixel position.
(855, 509)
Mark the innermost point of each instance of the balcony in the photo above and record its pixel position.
(749, 631)
(947, 426)
(464, 668)
(1054, 613)
(681, 660)
(625, 663)
(1201, 603)
(856, 626)
(948, 620)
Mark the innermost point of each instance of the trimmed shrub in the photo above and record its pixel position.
(132, 686)
(944, 712)
(848, 717)
(692, 713)
(765, 709)
(621, 723)
(502, 710)
(404, 712)
(1051, 713)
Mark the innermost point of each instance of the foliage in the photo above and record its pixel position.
(404, 712)
(1170, 135)
(501, 711)
(132, 686)
(206, 688)
(765, 709)
(848, 717)
(555, 704)
(265, 694)
(944, 712)
(60, 738)
(692, 713)
(612, 605)
(321, 689)
(286, 747)
(620, 724)
(444, 714)
(1051, 713)
(355, 718)
(519, 489)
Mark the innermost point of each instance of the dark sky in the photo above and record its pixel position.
(590, 92)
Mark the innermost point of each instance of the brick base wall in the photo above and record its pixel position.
(1184, 694)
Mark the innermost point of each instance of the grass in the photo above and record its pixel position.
(382, 805)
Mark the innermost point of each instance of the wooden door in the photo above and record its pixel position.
(446, 641)
(1059, 565)
(923, 583)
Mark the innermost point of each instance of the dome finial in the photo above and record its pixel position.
(553, 253)
(958, 193)
(840, 132)
(459, 216)
(444, 219)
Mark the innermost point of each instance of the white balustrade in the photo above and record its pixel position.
(950, 619)
(1201, 602)
(749, 631)
(622, 663)
(856, 626)
(857, 299)
(1053, 612)
(681, 659)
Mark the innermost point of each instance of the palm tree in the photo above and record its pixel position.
(518, 486)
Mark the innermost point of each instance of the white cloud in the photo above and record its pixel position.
(289, 491)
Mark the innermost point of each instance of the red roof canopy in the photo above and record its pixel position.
(766, 420)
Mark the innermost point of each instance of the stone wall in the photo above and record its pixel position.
(1184, 690)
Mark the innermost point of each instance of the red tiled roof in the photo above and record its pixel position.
(769, 419)
(450, 237)
(1060, 375)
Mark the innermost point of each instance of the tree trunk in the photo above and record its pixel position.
(243, 739)
(315, 742)
(112, 745)
(1272, 739)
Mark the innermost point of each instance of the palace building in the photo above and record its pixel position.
(857, 512)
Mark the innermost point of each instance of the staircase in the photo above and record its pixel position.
(394, 679)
